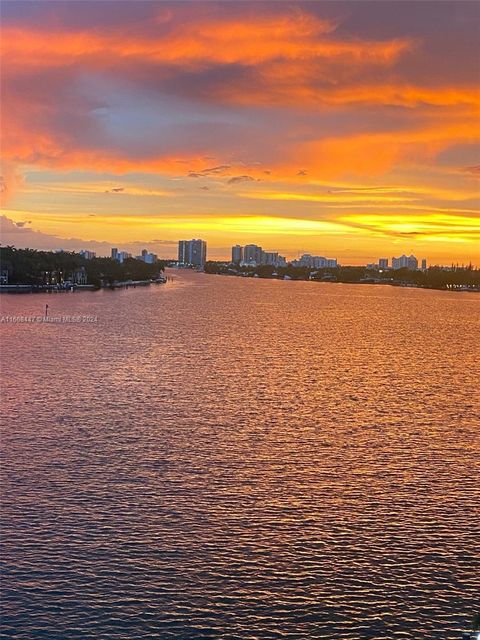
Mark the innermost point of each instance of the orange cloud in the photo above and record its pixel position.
(289, 54)
(297, 36)
(375, 153)
(10, 182)
(296, 83)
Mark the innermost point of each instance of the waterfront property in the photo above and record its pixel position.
(192, 253)
(88, 255)
(252, 255)
(146, 256)
(315, 262)
(458, 279)
(27, 269)
(405, 262)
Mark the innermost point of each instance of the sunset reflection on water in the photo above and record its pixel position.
(230, 458)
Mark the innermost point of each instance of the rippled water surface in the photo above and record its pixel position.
(233, 459)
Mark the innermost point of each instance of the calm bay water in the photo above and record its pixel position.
(232, 459)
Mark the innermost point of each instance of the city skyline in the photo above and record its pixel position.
(335, 128)
(194, 252)
(253, 254)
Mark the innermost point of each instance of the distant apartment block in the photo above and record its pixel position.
(271, 257)
(315, 262)
(252, 255)
(192, 252)
(88, 255)
(120, 256)
(145, 256)
(405, 262)
(237, 254)
(381, 265)
(148, 258)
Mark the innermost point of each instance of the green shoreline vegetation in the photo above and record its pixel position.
(46, 269)
(455, 278)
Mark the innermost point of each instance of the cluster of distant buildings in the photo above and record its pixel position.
(88, 255)
(145, 256)
(315, 262)
(121, 256)
(403, 262)
(193, 253)
(251, 255)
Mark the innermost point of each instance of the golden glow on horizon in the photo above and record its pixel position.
(330, 198)
(428, 227)
(432, 227)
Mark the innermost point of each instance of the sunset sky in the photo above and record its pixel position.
(345, 129)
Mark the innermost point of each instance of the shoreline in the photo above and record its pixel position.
(366, 281)
(133, 284)
(31, 288)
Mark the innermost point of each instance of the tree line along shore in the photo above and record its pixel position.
(454, 278)
(41, 270)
